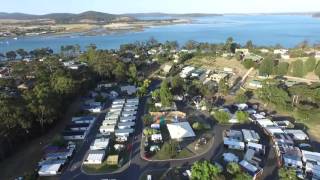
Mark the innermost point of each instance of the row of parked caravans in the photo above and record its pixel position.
(79, 128)
(121, 118)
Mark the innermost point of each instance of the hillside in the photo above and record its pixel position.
(68, 18)
(137, 15)
(316, 15)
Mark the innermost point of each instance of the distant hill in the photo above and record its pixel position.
(316, 15)
(137, 15)
(68, 18)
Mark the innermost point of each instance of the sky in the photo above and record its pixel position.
(166, 6)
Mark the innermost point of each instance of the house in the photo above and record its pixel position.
(230, 157)
(95, 157)
(79, 126)
(180, 130)
(317, 54)
(107, 128)
(264, 50)
(93, 108)
(50, 169)
(127, 119)
(297, 134)
(254, 57)
(156, 137)
(109, 122)
(217, 77)
(126, 125)
(100, 144)
(255, 84)
(233, 139)
(250, 136)
(112, 160)
(167, 68)
(186, 71)
(292, 157)
(256, 147)
(243, 50)
(284, 124)
(83, 119)
(281, 51)
(312, 162)
(251, 169)
(4, 72)
(129, 113)
(130, 90)
(123, 132)
(74, 135)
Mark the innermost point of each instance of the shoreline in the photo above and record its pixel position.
(107, 29)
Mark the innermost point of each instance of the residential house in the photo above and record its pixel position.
(292, 157)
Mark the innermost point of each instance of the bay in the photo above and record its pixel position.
(264, 30)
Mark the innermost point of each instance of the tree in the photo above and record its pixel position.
(156, 95)
(223, 87)
(248, 63)
(166, 97)
(62, 83)
(297, 68)
(204, 170)
(266, 67)
(310, 64)
(133, 75)
(147, 119)
(144, 88)
(197, 126)
(233, 168)
(274, 95)
(22, 53)
(221, 116)
(42, 103)
(317, 70)
(177, 84)
(242, 97)
(282, 68)
(11, 55)
(242, 116)
(120, 72)
(243, 176)
(249, 45)
(287, 174)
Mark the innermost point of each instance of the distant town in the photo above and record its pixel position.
(152, 110)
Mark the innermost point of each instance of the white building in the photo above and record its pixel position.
(180, 130)
(281, 51)
(107, 129)
(127, 119)
(297, 134)
(126, 125)
(250, 136)
(292, 157)
(100, 144)
(123, 132)
(50, 169)
(243, 50)
(186, 71)
(83, 119)
(129, 89)
(95, 157)
(156, 137)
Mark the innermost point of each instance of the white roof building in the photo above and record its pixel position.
(125, 125)
(230, 157)
(129, 89)
(250, 135)
(107, 129)
(186, 71)
(265, 123)
(233, 144)
(123, 132)
(156, 137)
(180, 130)
(100, 144)
(49, 169)
(95, 157)
(297, 134)
(109, 122)
(127, 119)
(252, 170)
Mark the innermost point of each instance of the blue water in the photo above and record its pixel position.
(262, 30)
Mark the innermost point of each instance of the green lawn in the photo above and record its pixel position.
(101, 168)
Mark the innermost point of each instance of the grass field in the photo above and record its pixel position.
(212, 63)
